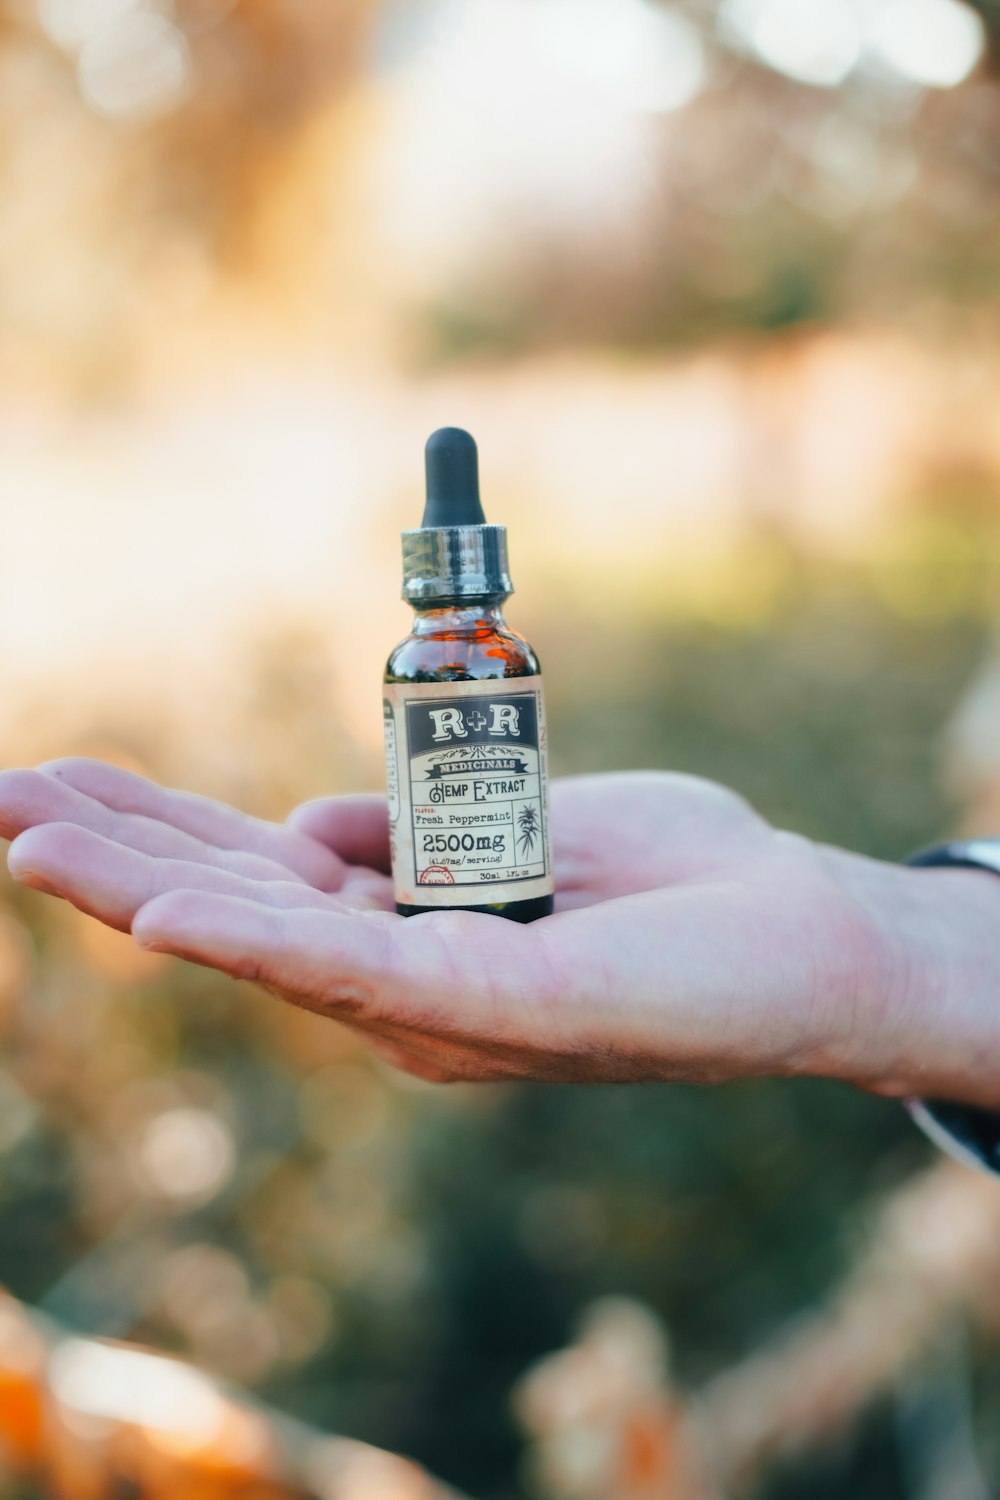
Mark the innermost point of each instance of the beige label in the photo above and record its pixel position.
(467, 774)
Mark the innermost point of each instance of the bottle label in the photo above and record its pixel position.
(467, 772)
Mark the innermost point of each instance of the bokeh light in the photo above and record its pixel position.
(185, 1153)
(806, 39)
(135, 68)
(932, 42)
(643, 56)
(100, 1380)
(71, 23)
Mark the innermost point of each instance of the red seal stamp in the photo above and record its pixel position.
(436, 875)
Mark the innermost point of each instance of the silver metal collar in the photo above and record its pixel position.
(455, 562)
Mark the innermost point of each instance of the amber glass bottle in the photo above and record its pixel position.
(466, 752)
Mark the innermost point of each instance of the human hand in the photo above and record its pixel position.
(690, 940)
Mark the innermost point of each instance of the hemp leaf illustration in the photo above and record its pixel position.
(527, 822)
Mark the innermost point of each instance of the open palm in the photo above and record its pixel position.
(690, 939)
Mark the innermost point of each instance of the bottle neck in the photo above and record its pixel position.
(480, 616)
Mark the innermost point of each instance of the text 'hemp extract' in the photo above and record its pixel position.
(465, 748)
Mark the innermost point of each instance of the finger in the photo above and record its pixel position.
(211, 822)
(356, 828)
(435, 977)
(411, 1062)
(364, 887)
(335, 965)
(28, 798)
(110, 881)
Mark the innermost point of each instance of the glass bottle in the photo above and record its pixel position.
(466, 752)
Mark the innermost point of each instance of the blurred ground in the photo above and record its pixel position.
(715, 286)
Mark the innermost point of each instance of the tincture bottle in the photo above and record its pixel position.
(466, 754)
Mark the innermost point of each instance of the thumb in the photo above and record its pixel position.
(356, 828)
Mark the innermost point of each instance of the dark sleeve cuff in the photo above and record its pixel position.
(970, 1135)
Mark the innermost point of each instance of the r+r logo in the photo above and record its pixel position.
(451, 723)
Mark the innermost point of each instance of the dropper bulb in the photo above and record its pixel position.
(452, 465)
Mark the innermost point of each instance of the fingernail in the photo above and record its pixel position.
(151, 945)
(35, 882)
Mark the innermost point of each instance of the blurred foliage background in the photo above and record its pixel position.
(716, 287)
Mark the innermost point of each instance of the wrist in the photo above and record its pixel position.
(925, 993)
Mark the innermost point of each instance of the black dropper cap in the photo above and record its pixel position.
(454, 554)
(452, 464)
